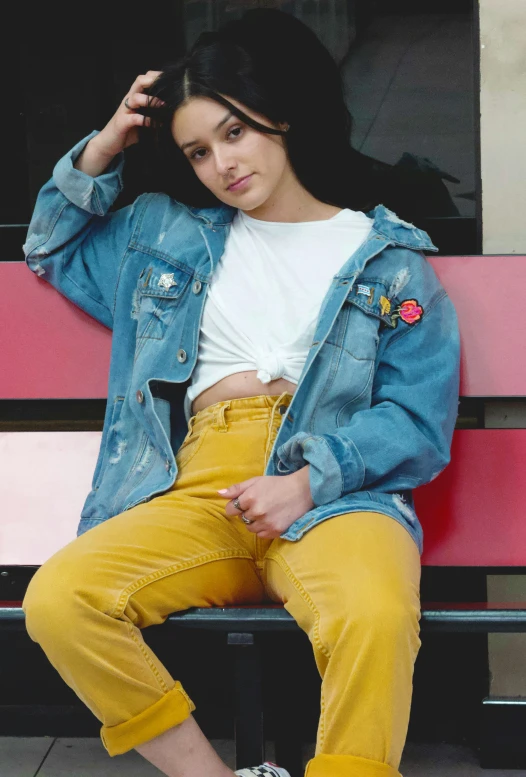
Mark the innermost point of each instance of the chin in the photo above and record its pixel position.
(245, 203)
(248, 200)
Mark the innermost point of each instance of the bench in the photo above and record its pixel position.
(472, 513)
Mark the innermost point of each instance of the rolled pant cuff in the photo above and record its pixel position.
(348, 766)
(169, 711)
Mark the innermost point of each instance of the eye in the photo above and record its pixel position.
(194, 156)
(237, 129)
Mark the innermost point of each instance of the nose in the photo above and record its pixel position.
(225, 162)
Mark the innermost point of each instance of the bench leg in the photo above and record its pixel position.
(248, 707)
(287, 714)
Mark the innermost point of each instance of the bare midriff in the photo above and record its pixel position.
(239, 385)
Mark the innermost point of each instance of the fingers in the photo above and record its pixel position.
(144, 81)
(143, 121)
(256, 527)
(148, 78)
(139, 100)
(236, 512)
(264, 533)
(136, 99)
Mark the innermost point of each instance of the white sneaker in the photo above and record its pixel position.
(267, 769)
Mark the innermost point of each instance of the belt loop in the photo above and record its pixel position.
(220, 420)
(278, 402)
(274, 424)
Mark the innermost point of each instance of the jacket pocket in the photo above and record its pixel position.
(347, 363)
(160, 288)
(359, 333)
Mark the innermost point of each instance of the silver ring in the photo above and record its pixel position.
(236, 504)
(126, 104)
(245, 519)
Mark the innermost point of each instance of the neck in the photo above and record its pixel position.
(291, 202)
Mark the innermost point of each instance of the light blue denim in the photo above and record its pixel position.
(376, 403)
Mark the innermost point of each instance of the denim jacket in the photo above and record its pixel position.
(376, 403)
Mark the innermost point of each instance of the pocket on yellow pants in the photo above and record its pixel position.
(190, 446)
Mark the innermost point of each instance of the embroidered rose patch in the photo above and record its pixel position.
(409, 311)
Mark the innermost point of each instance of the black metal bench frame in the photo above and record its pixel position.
(241, 626)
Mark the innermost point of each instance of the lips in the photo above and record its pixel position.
(239, 180)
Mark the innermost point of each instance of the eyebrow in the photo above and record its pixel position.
(223, 121)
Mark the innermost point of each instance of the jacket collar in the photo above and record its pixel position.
(385, 223)
(402, 233)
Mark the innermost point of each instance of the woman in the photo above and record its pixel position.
(284, 372)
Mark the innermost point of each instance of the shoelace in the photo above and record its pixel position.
(267, 769)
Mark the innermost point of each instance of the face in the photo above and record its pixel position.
(223, 149)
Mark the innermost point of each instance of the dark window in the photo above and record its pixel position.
(409, 70)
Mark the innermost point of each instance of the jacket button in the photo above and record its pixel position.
(196, 288)
(181, 355)
(140, 396)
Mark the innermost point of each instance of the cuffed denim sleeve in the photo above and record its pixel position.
(403, 440)
(72, 240)
(94, 195)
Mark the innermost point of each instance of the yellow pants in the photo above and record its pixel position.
(352, 584)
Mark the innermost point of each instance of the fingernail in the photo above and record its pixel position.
(222, 491)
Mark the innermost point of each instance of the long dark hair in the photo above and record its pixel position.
(274, 64)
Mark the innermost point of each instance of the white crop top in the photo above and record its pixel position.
(265, 296)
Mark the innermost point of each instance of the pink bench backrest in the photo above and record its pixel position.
(473, 513)
(49, 349)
